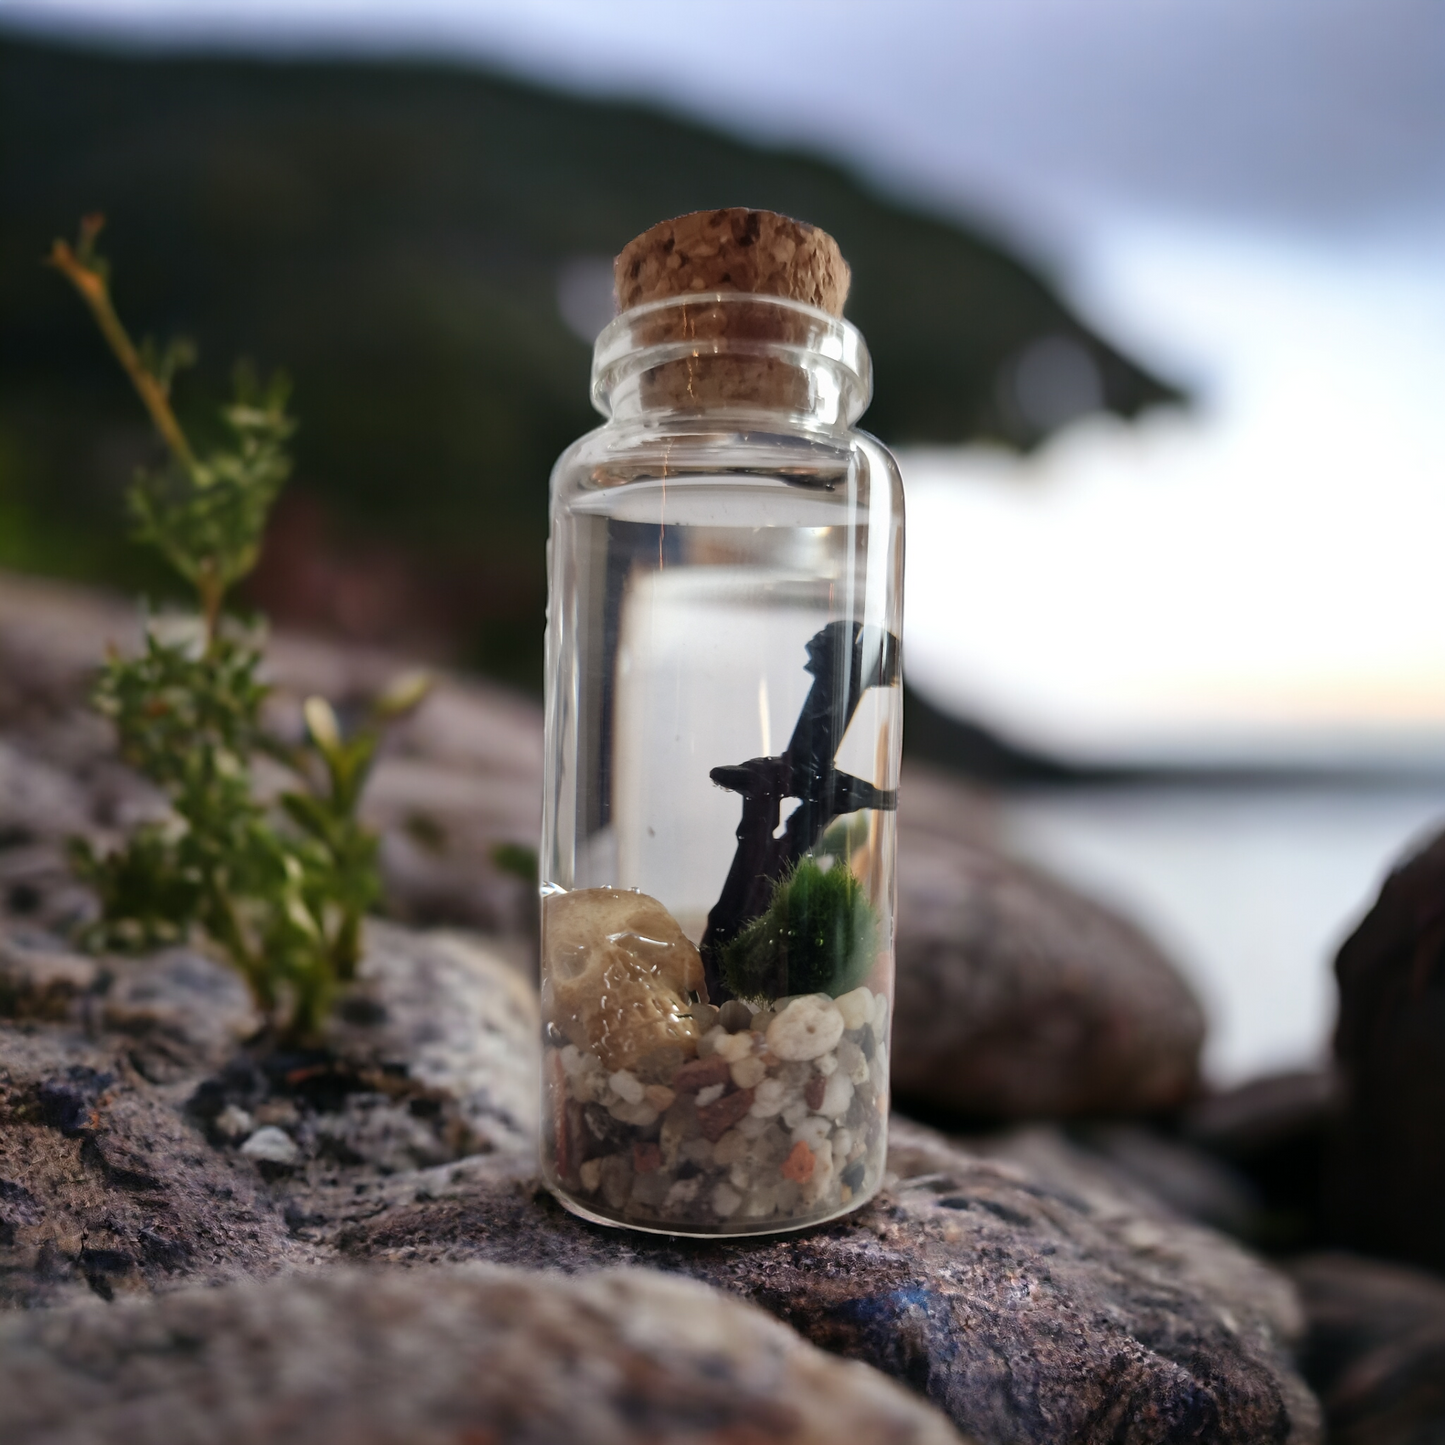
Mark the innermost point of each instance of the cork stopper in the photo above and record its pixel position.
(734, 249)
(753, 253)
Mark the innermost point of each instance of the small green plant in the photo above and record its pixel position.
(280, 887)
(819, 935)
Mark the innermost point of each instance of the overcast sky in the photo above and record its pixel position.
(1300, 113)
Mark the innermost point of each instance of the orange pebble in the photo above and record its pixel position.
(798, 1166)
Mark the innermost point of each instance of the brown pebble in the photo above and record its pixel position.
(700, 1073)
(798, 1166)
(813, 1093)
(717, 1118)
(646, 1158)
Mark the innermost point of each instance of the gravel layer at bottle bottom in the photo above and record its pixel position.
(779, 1121)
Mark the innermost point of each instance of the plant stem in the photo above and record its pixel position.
(91, 285)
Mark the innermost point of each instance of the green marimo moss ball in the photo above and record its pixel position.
(819, 935)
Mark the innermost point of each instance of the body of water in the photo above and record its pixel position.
(1250, 888)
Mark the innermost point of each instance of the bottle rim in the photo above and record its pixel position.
(649, 336)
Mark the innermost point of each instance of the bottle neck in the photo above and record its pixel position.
(719, 354)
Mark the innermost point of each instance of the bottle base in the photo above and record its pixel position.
(741, 1230)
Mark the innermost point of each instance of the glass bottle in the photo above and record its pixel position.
(723, 733)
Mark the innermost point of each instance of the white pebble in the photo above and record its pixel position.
(836, 1097)
(878, 1071)
(753, 1124)
(748, 1073)
(827, 1064)
(880, 1016)
(725, 1201)
(734, 1047)
(684, 1191)
(698, 1151)
(852, 1062)
(709, 1095)
(769, 1098)
(583, 1061)
(235, 1122)
(812, 1131)
(818, 1186)
(707, 1044)
(591, 1172)
(842, 1143)
(795, 1113)
(856, 1008)
(762, 1201)
(641, 1115)
(270, 1145)
(807, 1029)
(627, 1086)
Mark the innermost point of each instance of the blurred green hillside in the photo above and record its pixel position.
(394, 234)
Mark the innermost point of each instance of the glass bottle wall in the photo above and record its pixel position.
(724, 724)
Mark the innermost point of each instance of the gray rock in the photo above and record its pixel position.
(1276, 1132)
(1192, 1182)
(1030, 1297)
(1386, 1180)
(270, 1145)
(179, 1011)
(1260, 1116)
(1376, 1349)
(471, 1355)
(41, 977)
(454, 1017)
(103, 1186)
(1018, 998)
(37, 800)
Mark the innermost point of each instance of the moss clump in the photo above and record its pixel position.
(819, 935)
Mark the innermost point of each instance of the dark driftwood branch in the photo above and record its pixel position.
(846, 659)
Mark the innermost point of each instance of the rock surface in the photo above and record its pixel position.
(1034, 1295)
(1275, 1132)
(104, 1187)
(1376, 1349)
(137, 1137)
(1017, 998)
(1033, 1299)
(1387, 1179)
(452, 1017)
(1189, 1180)
(467, 1355)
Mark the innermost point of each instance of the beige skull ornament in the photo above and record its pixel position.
(617, 974)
